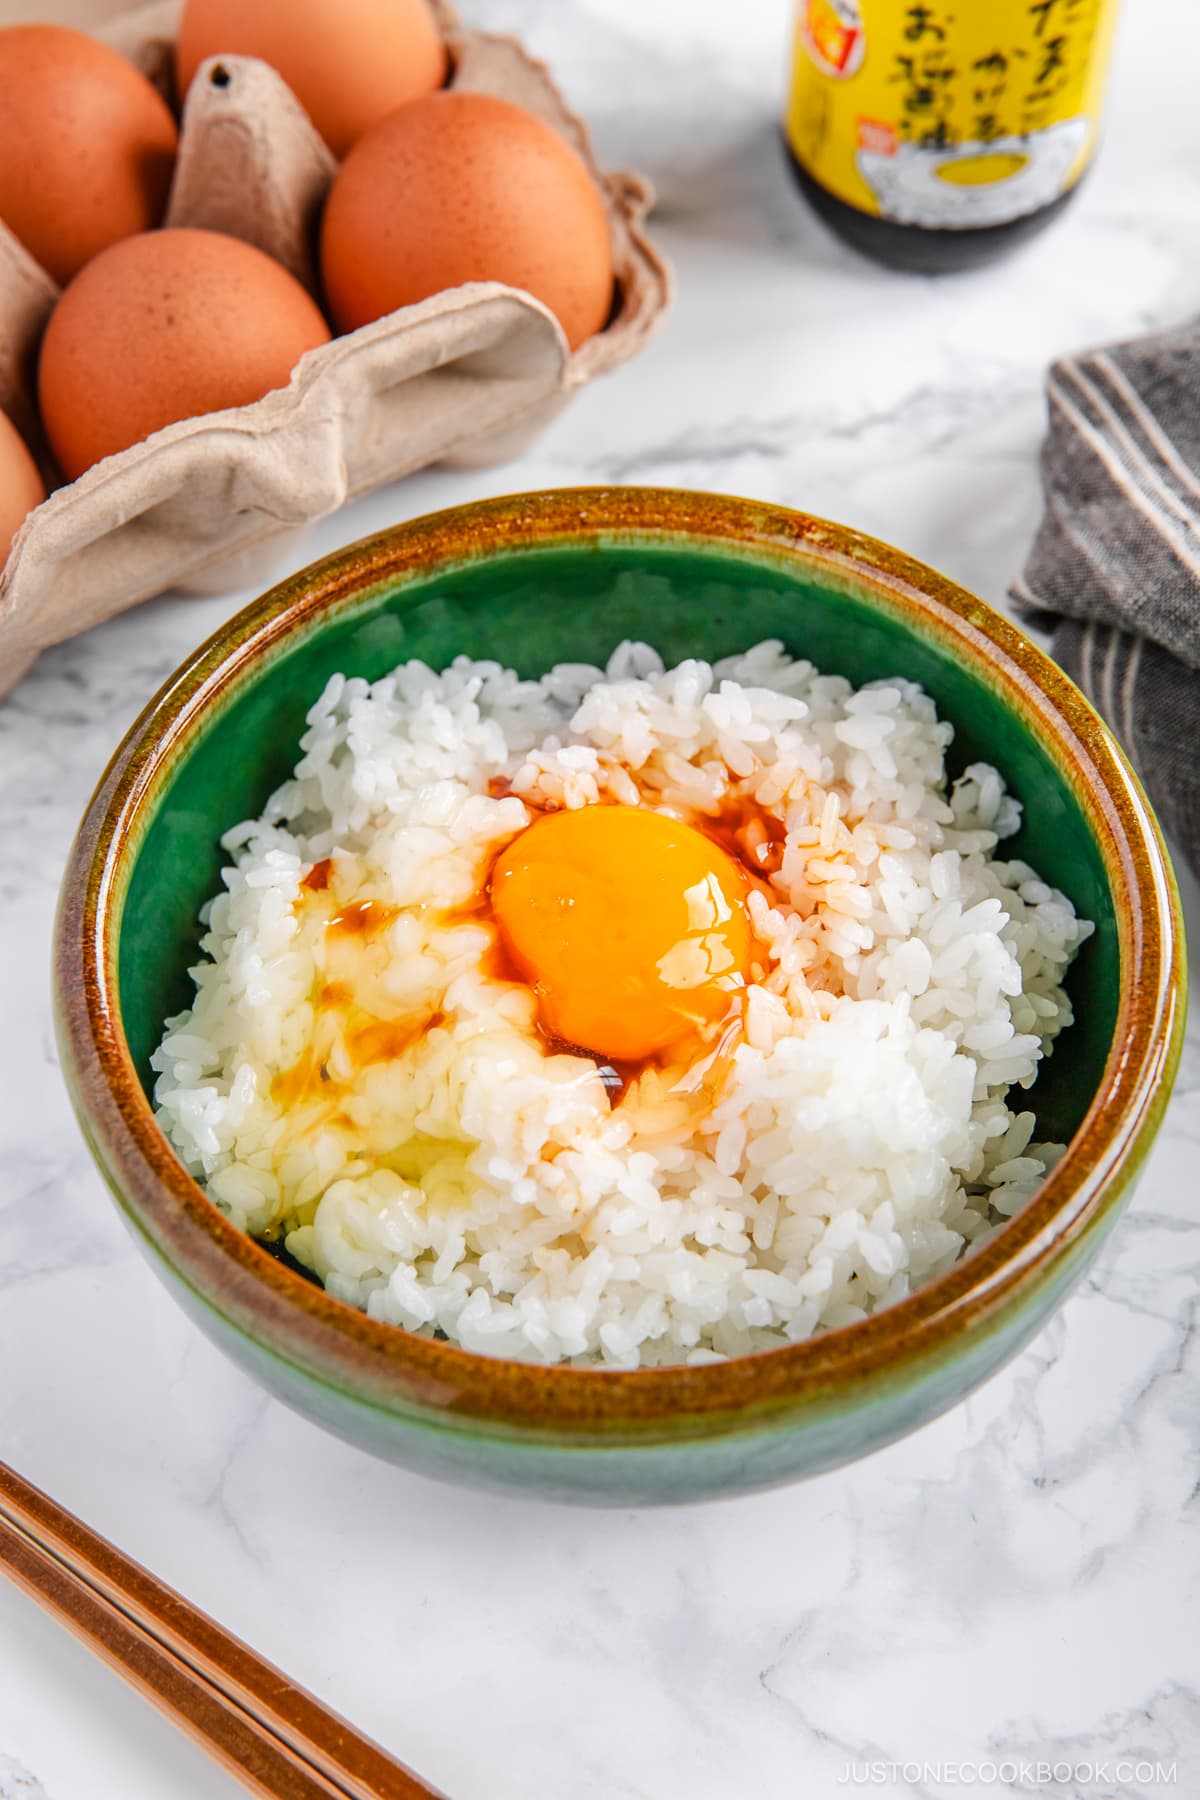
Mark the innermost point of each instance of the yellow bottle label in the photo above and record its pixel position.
(952, 114)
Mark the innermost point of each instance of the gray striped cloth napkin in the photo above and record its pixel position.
(1115, 566)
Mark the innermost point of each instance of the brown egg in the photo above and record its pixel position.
(20, 485)
(162, 327)
(86, 146)
(464, 187)
(349, 62)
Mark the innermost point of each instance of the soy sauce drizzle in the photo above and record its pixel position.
(362, 917)
(363, 1038)
(748, 833)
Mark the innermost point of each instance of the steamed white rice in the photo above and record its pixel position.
(868, 1130)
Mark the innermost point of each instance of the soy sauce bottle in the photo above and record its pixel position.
(938, 134)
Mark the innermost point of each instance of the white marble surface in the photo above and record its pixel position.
(1017, 1581)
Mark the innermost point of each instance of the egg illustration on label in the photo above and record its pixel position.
(833, 36)
(977, 183)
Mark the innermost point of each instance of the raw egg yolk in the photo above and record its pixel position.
(631, 928)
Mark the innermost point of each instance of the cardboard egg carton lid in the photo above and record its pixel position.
(469, 375)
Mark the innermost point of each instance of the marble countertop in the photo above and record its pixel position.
(1015, 1584)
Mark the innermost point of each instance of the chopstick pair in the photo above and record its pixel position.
(272, 1735)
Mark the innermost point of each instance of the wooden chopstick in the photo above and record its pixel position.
(272, 1735)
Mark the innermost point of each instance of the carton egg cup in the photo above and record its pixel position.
(470, 375)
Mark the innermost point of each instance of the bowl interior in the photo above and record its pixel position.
(575, 601)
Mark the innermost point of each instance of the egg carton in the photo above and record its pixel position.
(469, 376)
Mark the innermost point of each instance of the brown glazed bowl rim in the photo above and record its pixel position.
(390, 1368)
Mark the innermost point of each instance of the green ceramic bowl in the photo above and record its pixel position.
(533, 580)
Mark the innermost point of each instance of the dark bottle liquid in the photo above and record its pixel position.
(938, 136)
